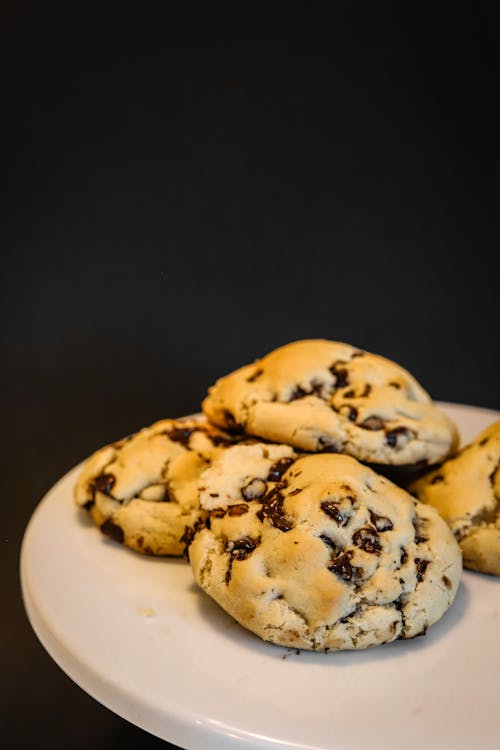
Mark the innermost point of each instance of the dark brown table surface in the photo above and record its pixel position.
(182, 196)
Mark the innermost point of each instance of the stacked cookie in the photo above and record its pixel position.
(279, 495)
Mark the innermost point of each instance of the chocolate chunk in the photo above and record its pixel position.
(272, 509)
(492, 476)
(404, 556)
(255, 489)
(372, 423)
(421, 568)
(446, 582)
(231, 424)
(329, 542)
(239, 550)
(256, 374)
(341, 375)
(381, 523)
(189, 534)
(399, 435)
(342, 566)
(104, 483)
(327, 445)
(349, 411)
(242, 548)
(332, 509)
(438, 478)
(180, 434)
(297, 393)
(237, 510)
(317, 388)
(218, 512)
(278, 469)
(113, 530)
(419, 537)
(368, 539)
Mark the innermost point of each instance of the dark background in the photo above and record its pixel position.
(181, 195)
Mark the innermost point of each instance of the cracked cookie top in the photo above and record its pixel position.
(465, 490)
(327, 396)
(319, 551)
(142, 490)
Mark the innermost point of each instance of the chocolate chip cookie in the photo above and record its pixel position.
(319, 551)
(466, 492)
(325, 396)
(142, 490)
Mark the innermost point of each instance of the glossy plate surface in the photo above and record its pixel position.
(136, 634)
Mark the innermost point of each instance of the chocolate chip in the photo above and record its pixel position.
(329, 542)
(278, 469)
(104, 483)
(242, 548)
(368, 539)
(404, 556)
(294, 492)
(239, 550)
(231, 424)
(341, 375)
(272, 509)
(398, 436)
(317, 388)
(113, 530)
(492, 476)
(372, 423)
(255, 489)
(381, 523)
(327, 445)
(180, 434)
(349, 411)
(88, 504)
(436, 479)
(349, 393)
(332, 509)
(419, 537)
(446, 582)
(256, 374)
(237, 510)
(218, 512)
(366, 392)
(190, 533)
(297, 393)
(421, 568)
(393, 384)
(484, 440)
(342, 566)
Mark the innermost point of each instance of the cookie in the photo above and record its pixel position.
(466, 492)
(142, 490)
(325, 396)
(319, 551)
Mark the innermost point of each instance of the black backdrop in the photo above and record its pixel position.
(184, 194)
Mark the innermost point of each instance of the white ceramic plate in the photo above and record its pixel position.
(136, 634)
